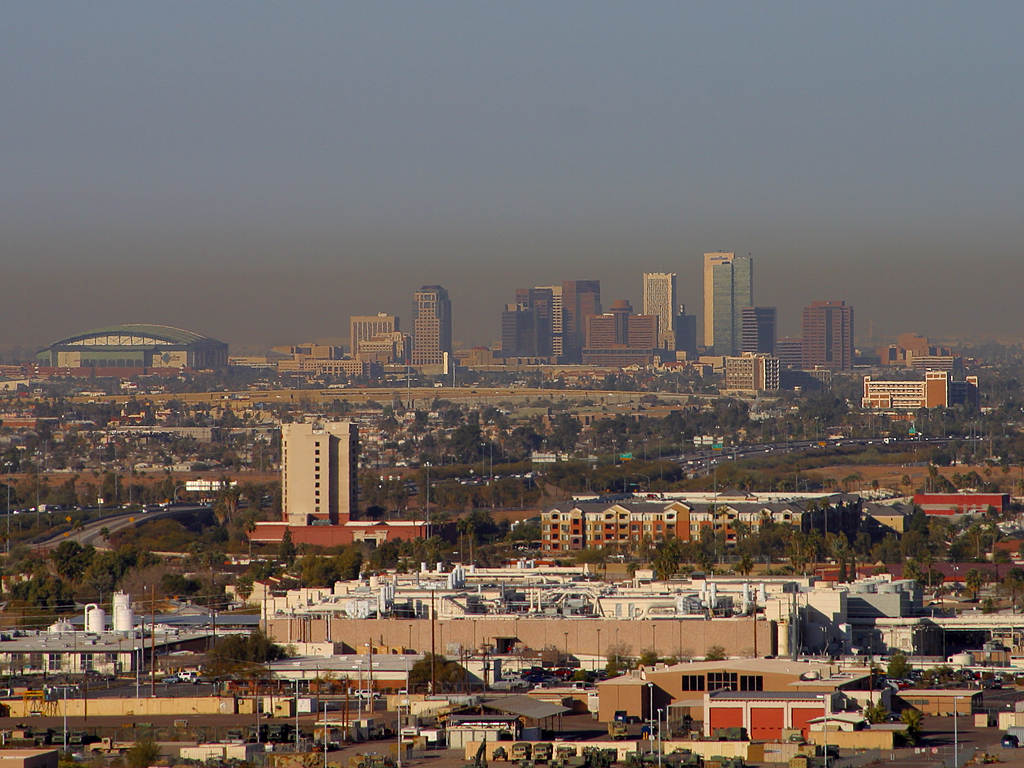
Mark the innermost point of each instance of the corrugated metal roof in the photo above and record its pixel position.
(524, 706)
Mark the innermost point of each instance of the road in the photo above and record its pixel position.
(92, 532)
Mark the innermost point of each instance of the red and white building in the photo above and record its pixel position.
(765, 714)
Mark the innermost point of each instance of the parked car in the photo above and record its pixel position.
(1010, 741)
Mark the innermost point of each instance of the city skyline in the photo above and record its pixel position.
(163, 168)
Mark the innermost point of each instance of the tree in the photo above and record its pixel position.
(875, 713)
(286, 552)
(143, 754)
(715, 653)
(912, 719)
(898, 668)
(745, 565)
(237, 652)
(973, 582)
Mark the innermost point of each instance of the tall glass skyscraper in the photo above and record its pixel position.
(728, 288)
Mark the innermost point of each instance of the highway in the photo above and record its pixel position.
(91, 532)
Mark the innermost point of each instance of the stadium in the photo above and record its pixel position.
(135, 345)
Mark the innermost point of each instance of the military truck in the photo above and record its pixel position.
(520, 751)
(542, 752)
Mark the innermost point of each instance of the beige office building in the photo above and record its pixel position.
(366, 327)
(752, 373)
(660, 300)
(319, 463)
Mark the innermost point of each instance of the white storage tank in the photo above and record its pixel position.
(124, 620)
(95, 619)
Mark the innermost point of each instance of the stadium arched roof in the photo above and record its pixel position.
(134, 335)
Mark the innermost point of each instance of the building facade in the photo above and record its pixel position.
(432, 326)
(365, 327)
(752, 373)
(757, 334)
(938, 389)
(618, 337)
(828, 336)
(319, 464)
(659, 295)
(580, 300)
(728, 288)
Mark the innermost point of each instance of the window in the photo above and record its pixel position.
(53, 662)
(751, 683)
(35, 661)
(722, 681)
(693, 682)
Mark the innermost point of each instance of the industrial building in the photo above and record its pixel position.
(137, 347)
(126, 646)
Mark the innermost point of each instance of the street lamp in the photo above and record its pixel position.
(956, 735)
(650, 716)
(660, 749)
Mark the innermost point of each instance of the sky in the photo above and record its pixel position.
(259, 171)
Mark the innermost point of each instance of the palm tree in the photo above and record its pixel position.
(745, 565)
(973, 581)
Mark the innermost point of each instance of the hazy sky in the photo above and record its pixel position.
(261, 170)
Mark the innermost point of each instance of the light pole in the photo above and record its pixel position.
(659, 735)
(7, 466)
(325, 734)
(650, 716)
(598, 660)
(956, 735)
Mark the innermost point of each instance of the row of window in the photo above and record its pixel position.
(723, 681)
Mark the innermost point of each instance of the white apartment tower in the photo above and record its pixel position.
(660, 301)
(319, 463)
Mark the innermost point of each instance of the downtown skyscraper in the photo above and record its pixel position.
(432, 325)
(728, 288)
(660, 301)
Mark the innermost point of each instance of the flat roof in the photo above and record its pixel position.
(767, 695)
(350, 662)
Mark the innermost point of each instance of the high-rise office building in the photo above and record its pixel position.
(580, 300)
(757, 332)
(557, 318)
(518, 331)
(432, 325)
(686, 332)
(828, 335)
(790, 351)
(728, 287)
(618, 337)
(319, 464)
(366, 327)
(660, 301)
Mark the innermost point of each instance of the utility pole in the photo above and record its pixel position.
(433, 655)
(152, 644)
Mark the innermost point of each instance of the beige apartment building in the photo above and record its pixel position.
(318, 471)
(752, 373)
